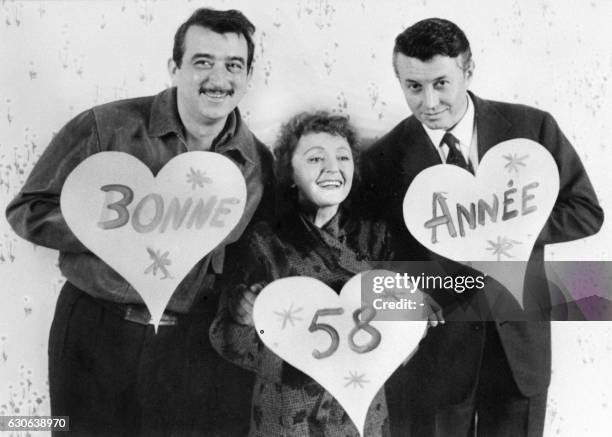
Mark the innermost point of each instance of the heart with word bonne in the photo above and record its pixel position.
(334, 338)
(153, 229)
(489, 218)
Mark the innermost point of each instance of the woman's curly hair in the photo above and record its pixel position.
(290, 133)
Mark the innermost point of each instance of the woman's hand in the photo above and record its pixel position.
(241, 308)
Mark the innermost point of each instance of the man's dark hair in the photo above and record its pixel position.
(430, 37)
(231, 21)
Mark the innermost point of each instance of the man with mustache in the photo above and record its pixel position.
(485, 378)
(108, 370)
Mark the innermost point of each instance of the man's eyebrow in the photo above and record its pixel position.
(435, 79)
(440, 78)
(202, 55)
(236, 58)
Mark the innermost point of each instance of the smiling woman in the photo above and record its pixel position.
(323, 173)
(313, 237)
(315, 153)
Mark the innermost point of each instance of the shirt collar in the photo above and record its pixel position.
(226, 134)
(463, 130)
(165, 119)
(333, 228)
(235, 136)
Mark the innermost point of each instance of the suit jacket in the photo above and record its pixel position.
(390, 165)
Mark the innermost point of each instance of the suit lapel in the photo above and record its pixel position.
(491, 126)
(419, 152)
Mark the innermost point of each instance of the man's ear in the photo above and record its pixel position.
(250, 74)
(172, 69)
(468, 70)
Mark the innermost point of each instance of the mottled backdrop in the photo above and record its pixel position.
(61, 57)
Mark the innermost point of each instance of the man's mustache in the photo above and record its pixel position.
(205, 89)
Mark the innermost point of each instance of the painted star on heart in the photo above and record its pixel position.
(160, 261)
(197, 178)
(502, 247)
(355, 379)
(514, 162)
(288, 315)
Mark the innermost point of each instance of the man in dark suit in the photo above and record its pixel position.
(485, 377)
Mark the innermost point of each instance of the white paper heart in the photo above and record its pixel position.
(153, 230)
(285, 316)
(517, 184)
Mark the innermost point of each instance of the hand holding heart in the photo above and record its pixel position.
(241, 309)
(153, 229)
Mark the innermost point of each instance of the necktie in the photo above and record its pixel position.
(455, 156)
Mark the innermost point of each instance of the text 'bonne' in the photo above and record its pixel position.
(188, 214)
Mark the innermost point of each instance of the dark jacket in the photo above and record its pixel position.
(389, 167)
(286, 401)
(150, 129)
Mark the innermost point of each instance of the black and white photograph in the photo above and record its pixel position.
(305, 218)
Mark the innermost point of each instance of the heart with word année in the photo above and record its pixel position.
(153, 229)
(492, 217)
(333, 338)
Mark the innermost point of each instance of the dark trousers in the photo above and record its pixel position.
(501, 410)
(114, 377)
(459, 384)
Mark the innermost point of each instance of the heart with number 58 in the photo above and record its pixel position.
(334, 338)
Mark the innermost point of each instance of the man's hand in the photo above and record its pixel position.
(241, 308)
(434, 317)
(434, 311)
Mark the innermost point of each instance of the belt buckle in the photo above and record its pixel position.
(143, 317)
(137, 315)
(166, 320)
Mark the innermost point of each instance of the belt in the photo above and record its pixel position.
(138, 313)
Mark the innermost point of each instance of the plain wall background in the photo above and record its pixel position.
(62, 57)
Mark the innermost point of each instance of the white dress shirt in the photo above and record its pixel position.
(464, 131)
